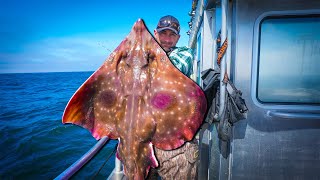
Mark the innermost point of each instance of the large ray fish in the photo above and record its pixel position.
(140, 98)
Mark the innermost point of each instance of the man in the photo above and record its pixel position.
(180, 163)
(167, 35)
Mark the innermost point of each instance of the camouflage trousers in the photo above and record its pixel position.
(181, 163)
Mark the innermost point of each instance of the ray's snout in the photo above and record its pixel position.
(139, 26)
(134, 66)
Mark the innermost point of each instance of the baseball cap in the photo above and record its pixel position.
(168, 22)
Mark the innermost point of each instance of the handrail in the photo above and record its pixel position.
(66, 174)
(293, 115)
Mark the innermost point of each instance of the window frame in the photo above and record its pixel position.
(256, 58)
(199, 56)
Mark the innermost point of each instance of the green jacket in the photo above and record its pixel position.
(182, 58)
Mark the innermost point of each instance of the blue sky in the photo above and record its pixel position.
(58, 36)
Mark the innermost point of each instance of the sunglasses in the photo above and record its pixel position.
(166, 23)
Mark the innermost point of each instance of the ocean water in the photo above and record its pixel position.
(34, 143)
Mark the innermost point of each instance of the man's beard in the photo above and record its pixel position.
(168, 45)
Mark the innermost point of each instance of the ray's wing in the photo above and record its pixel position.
(96, 104)
(177, 104)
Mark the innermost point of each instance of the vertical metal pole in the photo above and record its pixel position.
(223, 66)
(117, 167)
(117, 173)
(224, 162)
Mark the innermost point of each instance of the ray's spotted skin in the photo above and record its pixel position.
(140, 98)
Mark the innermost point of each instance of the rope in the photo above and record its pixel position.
(107, 159)
(222, 50)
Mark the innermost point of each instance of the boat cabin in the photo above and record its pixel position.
(273, 57)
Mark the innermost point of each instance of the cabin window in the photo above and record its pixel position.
(289, 60)
(218, 22)
(199, 52)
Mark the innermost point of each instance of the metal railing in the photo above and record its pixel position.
(75, 167)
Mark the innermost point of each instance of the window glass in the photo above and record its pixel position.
(217, 25)
(218, 20)
(289, 60)
(199, 52)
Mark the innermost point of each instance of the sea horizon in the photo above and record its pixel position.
(36, 72)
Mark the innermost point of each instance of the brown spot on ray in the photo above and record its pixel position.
(140, 98)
